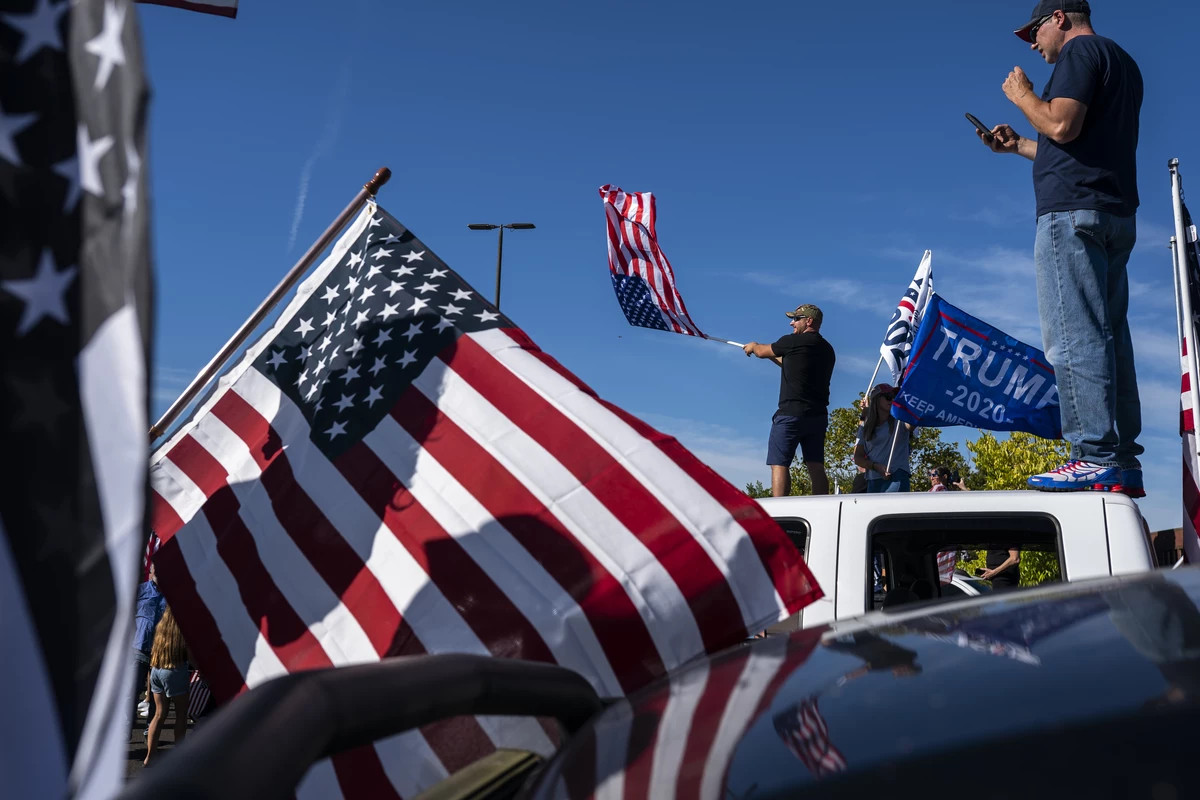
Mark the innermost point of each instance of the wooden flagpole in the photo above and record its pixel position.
(368, 191)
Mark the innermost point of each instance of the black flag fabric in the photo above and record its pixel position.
(74, 337)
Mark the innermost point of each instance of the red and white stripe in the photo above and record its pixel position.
(1187, 294)
(633, 250)
(809, 741)
(1191, 461)
(681, 741)
(222, 8)
(152, 544)
(500, 509)
(946, 560)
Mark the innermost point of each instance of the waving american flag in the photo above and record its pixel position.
(395, 468)
(641, 275)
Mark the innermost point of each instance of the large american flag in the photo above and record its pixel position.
(1187, 422)
(222, 8)
(641, 275)
(74, 333)
(395, 469)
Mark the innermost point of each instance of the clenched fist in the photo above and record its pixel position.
(1017, 84)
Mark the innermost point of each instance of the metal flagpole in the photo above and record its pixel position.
(895, 438)
(874, 374)
(726, 341)
(369, 189)
(1185, 295)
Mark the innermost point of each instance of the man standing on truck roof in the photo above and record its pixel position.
(807, 361)
(1085, 183)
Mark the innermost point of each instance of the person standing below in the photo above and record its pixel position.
(150, 605)
(883, 447)
(169, 675)
(1085, 183)
(1003, 569)
(800, 422)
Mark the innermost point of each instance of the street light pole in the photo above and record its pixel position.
(516, 226)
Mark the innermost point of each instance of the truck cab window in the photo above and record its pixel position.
(923, 558)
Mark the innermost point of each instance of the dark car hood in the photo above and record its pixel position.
(822, 708)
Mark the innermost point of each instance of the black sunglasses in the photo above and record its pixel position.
(1033, 32)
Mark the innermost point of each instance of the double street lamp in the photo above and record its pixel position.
(516, 226)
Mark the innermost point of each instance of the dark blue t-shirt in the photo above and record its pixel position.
(1097, 170)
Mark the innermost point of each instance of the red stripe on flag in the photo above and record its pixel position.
(287, 634)
(1191, 496)
(708, 592)
(623, 635)
(321, 542)
(782, 561)
(644, 732)
(483, 605)
(457, 745)
(722, 679)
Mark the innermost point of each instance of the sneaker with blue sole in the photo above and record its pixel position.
(1077, 476)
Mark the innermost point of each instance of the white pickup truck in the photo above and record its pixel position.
(1090, 534)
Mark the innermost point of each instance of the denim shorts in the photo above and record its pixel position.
(788, 433)
(171, 682)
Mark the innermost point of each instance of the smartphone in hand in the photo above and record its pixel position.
(984, 129)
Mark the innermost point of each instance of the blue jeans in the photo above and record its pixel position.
(1083, 300)
(899, 483)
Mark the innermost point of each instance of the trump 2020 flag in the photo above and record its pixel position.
(396, 469)
(74, 338)
(906, 319)
(966, 372)
(641, 275)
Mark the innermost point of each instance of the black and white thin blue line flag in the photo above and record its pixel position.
(74, 335)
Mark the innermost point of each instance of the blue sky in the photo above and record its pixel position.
(799, 153)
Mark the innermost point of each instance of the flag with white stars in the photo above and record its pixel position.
(396, 469)
(641, 275)
(222, 8)
(74, 333)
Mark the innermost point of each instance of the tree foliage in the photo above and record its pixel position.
(1006, 465)
(926, 448)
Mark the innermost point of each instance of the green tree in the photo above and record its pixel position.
(1006, 465)
(927, 451)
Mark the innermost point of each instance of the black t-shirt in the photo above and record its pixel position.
(807, 367)
(1097, 170)
(1011, 576)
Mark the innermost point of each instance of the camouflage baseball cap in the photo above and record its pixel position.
(806, 310)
